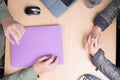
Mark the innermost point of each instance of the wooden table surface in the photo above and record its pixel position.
(76, 23)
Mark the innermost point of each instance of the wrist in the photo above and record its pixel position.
(98, 29)
(98, 51)
(34, 68)
(38, 76)
(7, 21)
(36, 72)
(92, 55)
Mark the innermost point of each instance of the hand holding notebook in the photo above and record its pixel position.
(37, 42)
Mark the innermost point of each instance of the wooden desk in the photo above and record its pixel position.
(76, 23)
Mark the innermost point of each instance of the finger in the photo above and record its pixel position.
(21, 29)
(9, 38)
(92, 44)
(55, 61)
(50, 60)
(89, 39)
(14, 35)
(18, 27)
(43, 58)
(88, 42)
(96, 43)
(17, 31)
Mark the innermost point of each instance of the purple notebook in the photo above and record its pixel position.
(37, 42)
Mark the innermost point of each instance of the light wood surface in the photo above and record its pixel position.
(76, 23)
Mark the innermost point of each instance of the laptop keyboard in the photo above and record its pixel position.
(67, 2)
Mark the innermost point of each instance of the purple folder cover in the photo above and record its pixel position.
(37, 42)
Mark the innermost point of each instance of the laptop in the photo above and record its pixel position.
(58, 7)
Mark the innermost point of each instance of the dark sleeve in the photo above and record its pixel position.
(26, 74)
(105, 66)
(105, 17)
(4, 13)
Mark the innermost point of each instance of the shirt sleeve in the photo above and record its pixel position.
(26, 74)
(104, 18)
(105, 66)
(4, 13)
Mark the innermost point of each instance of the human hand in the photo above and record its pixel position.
(93, 41)
(13, 30)
(45, 64)
(93, 45)
(95, 33)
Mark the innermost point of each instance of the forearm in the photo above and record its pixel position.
(26, 74)
(105, 66)
(4, 13)
(104, 18)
